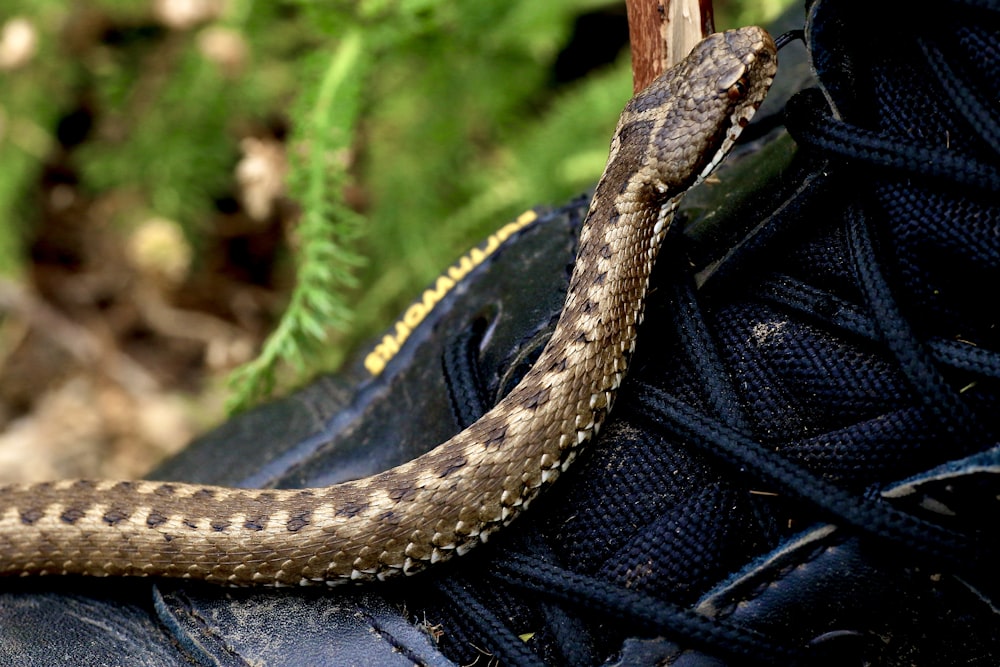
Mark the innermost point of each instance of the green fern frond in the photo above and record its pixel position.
(325, 266)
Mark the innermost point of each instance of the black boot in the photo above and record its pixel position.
(799, 468)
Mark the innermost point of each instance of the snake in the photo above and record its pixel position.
(441, 504)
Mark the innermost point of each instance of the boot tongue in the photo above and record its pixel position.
(858, 48)
(929, 82)
(883, 67)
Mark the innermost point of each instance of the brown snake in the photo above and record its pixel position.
(669, 137)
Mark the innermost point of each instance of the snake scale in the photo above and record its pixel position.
(670, 136)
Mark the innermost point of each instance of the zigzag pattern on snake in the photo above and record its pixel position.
(441, 504)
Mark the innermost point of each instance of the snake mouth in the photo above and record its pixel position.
(725, 139)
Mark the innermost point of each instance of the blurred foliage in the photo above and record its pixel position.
(417, 127)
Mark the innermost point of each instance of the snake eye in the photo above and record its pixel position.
(738, 90)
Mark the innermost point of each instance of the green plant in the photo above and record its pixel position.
(417, 128)
(327, 117)
(452, 141)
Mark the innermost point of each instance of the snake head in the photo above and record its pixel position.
(675, 132)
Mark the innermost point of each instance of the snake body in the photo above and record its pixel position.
(450, 499)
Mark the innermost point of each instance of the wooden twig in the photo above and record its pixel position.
(663, 32)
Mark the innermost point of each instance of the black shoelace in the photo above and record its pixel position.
(723, 430)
